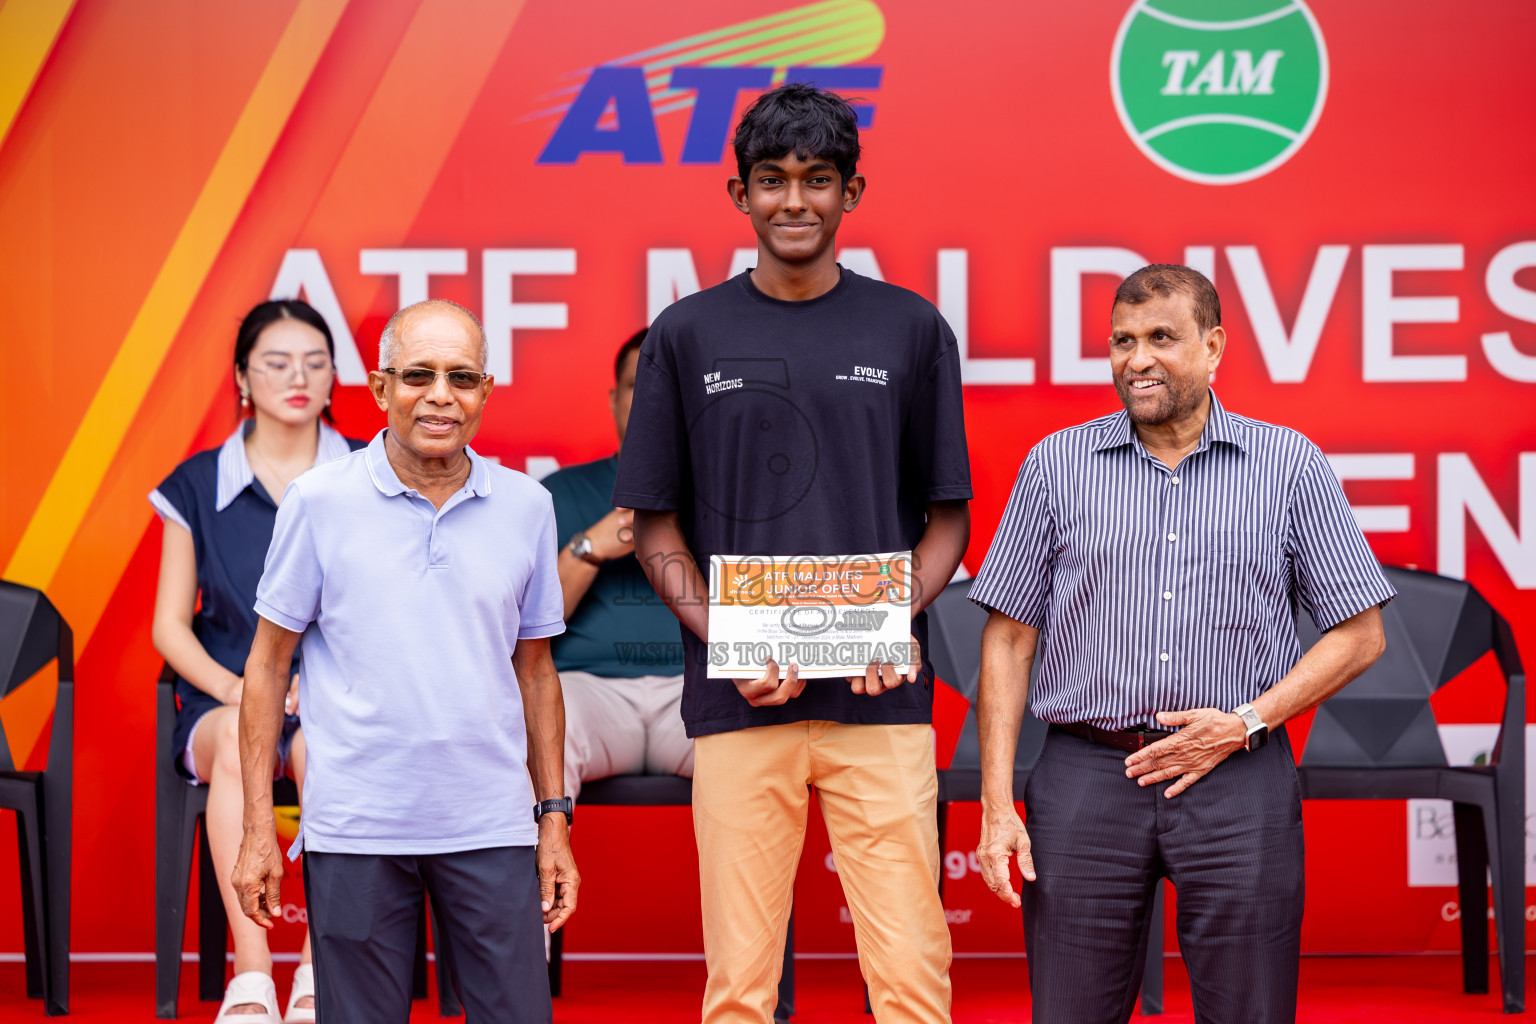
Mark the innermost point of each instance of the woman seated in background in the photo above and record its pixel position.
(219, 507)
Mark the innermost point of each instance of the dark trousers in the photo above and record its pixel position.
(362, 927)
(1231, 844)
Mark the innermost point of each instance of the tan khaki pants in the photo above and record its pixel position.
(878, 794)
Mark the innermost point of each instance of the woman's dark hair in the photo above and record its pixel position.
(802, 119)
(264, 315)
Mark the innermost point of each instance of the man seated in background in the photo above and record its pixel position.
(620, 658)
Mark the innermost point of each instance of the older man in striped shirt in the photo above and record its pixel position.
(1153, 560)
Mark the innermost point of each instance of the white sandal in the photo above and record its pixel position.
(303, 985)
(250, 987)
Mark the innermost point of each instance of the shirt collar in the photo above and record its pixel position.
(1219, 426)
(236, 474)
(388, 482)
(1222, 426)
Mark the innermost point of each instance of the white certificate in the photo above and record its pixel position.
(832, 616)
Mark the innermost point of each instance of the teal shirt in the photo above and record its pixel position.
(620, 628)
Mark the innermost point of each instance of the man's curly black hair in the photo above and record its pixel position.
(799, 118)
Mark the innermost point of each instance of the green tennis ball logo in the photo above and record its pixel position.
(1219, 91)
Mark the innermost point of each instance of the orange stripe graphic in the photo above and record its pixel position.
(97, 440)
(375, 191)
(28, 30)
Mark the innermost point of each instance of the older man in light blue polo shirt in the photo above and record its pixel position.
(422, 580)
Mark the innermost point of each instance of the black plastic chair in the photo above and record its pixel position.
(33, 633)
(179, 810)
(954, 646)
(1377, 740)
(661, 791)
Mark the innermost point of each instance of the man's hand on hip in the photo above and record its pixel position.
(558, 878)
(257, 877)
(1003, 839)
(1206, 737)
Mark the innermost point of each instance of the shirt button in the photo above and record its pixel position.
(1174, 481)
(1163, 656)
(1172, 537)
(1167, 595)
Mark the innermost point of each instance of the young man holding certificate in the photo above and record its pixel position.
(802, 427)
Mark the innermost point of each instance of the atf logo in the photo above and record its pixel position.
(1219, 91)
(612, 108)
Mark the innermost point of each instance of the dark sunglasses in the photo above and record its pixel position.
(422, 377)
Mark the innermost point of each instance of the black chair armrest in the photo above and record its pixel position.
(1510, 748)
(638, 791)
(165, 711)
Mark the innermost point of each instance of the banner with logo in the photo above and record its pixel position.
(1354, 176)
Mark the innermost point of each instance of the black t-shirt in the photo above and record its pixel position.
(797, 428)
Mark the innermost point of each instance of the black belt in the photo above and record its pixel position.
(1126, 739)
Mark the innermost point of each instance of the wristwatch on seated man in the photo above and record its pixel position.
(564, 804)
(581, 547)
(1257, 731)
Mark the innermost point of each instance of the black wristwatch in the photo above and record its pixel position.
(563, 804)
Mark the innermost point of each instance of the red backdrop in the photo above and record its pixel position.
(164, 164)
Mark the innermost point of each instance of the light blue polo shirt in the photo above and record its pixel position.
(413, 720)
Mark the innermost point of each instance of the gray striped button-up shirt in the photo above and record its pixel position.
(1165, 590)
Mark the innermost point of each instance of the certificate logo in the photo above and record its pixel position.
(1219, 91)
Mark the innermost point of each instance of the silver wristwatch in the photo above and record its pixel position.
(1257, 731)
(581, 547)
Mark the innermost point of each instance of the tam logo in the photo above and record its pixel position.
(615, 106)
(1219, 93)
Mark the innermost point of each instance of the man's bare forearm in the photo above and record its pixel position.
(939, 550)
(543, 716)
(261, 717)
(1007, 652)
(669, 565)
(1341, 654)
(576, 578)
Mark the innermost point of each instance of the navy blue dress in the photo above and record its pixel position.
(217, 498)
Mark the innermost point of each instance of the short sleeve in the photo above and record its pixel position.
(289, 591)
(1015, 578)
(1337, 575)
(653, 460)
(173, 499)
(541, 608)
(167, 510)
(935, 431)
